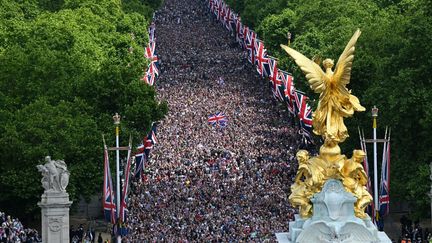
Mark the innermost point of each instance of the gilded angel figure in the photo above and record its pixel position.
(335, 101)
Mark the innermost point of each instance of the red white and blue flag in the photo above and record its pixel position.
(123, 203)
(239, 30)
(276, 83)
(152, 29)
(221, 11)
(143, 151)
(229, 19)
(384, 193)
(289, 90)
(150, 75)
(139, 161)
(109, 205)
(218, 119)
(150, 52)
(304, 111)
(211, 4)
(215, 6)
(371, 208)
(250, 46)
(261, 59)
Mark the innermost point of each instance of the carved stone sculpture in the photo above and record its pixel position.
(55, 176)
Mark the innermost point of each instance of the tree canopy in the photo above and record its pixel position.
(66, 67)
(391, 70)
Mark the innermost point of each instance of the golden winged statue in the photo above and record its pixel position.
(335, 101)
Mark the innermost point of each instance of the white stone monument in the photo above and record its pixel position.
(333, 220)
(54, 201)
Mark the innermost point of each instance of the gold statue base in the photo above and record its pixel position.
(313, 172)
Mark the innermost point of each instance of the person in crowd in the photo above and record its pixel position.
(100, 240)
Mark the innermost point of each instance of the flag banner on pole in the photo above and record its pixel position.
(229, 19)
(150, 52)
(261, 59)
(123, 204)
(371, 208)
(304, 111)
(276, 83)
(384, 197)
(289, 90)
(239, 30)
(139, 161)
(245, 34)
(143, 151)
(250, 46)
(152, 29)
(109, 205)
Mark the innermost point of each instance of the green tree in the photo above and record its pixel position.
(66, 69)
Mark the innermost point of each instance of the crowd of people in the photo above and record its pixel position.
(207, 183)
(12, 230)
(413, 233)
(80, 235)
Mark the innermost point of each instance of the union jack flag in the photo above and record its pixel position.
(211, 4)
(239, 30)
(150, 140)
(221, 11)
(150, 52)
(370, 209)
(218, 119)
(304, 111)
(215, 6)
(139, 161)
(250, 46)
(152, 69)
(245, 34)
(276, 82)
(123, 204)
(152, 29)
(261, 59)
(143, 150)
(384, 198)
(229, 19)
(149, 76)
(289, 90)
(109, 204)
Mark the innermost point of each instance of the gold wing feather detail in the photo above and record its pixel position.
(343, 67)
(314, 74)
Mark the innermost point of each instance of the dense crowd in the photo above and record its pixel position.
(413, 232)
(12, 230)
(207, 183)
(80, 235)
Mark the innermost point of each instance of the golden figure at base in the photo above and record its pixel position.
(355, 180)
(308, 181)
(335, 103)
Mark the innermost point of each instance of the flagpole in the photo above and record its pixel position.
(374, 116)
(116, 119)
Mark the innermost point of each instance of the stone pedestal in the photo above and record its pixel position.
(333, 220)
(55, 216)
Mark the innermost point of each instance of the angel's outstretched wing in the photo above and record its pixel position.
(344, 64)
(314, 73)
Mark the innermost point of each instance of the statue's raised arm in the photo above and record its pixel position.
(335, 101)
